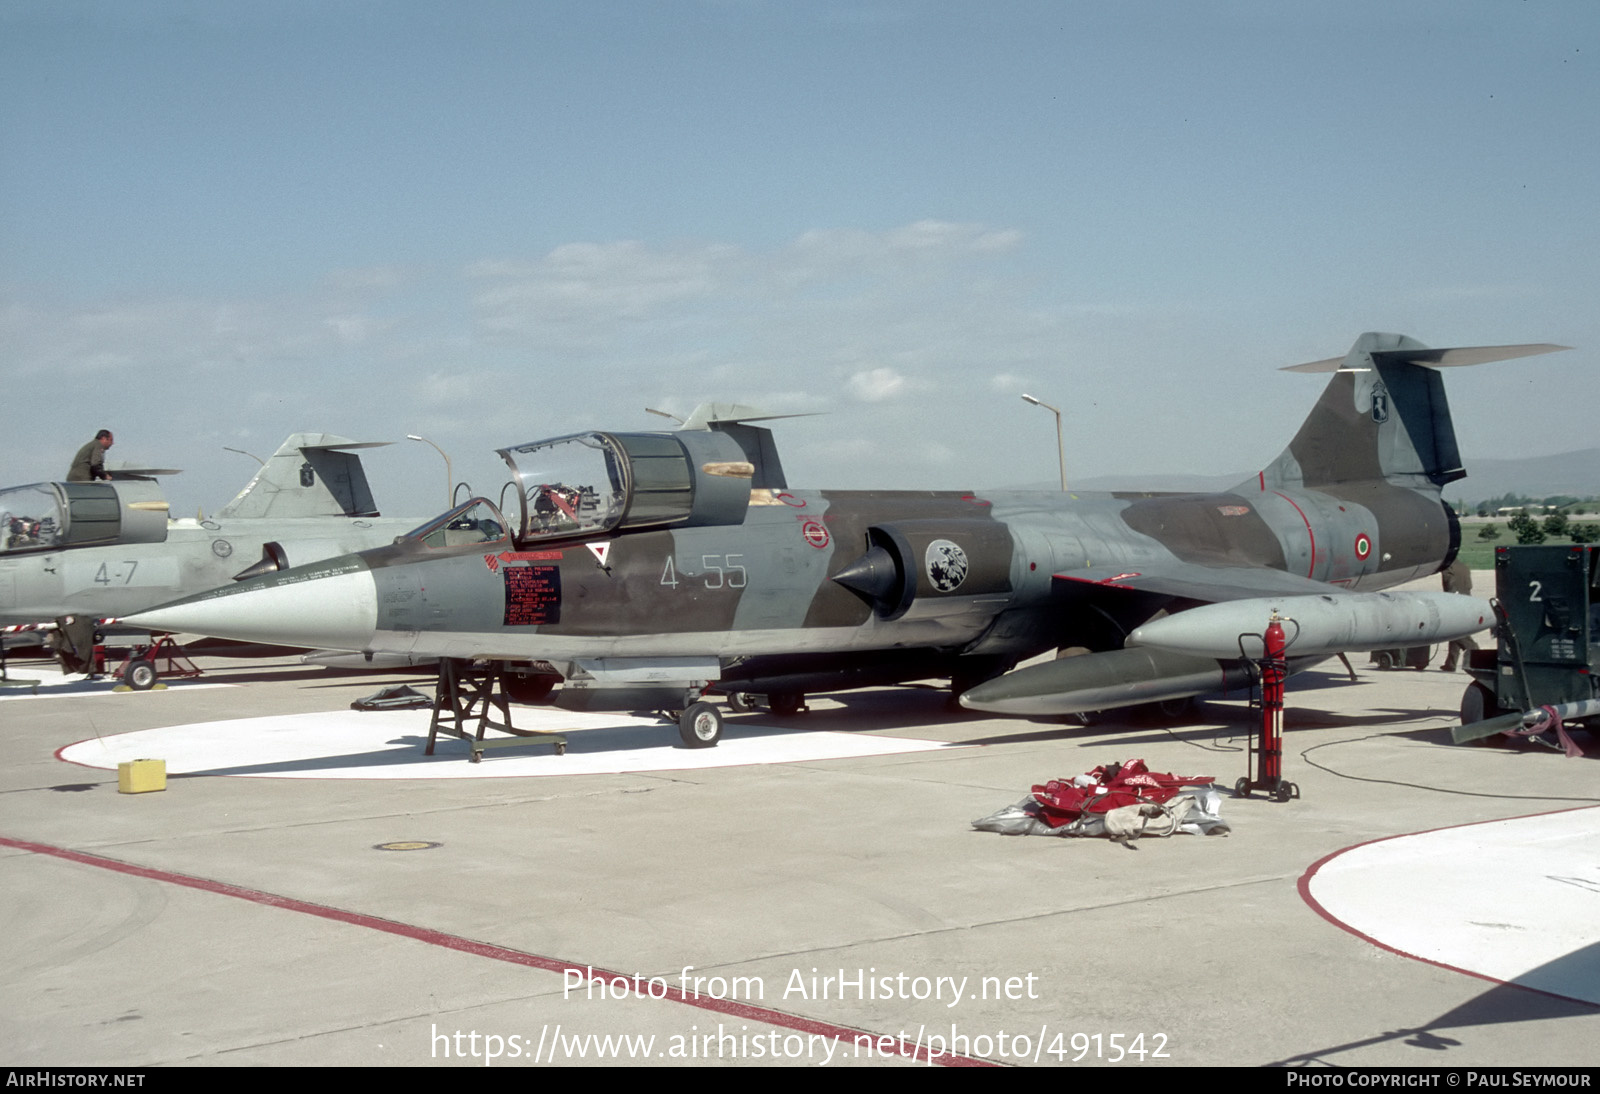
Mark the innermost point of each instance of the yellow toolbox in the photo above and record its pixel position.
(141, 776)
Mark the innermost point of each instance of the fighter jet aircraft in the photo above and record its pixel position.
(657, 569)
(78, 552)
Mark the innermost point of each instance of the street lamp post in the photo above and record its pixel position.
(449, 475)
(1061, 452)
(242, 452)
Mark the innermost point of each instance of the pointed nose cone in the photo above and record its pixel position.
(874, 574)
(327, 605)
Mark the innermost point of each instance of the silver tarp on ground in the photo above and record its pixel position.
(1194, 811)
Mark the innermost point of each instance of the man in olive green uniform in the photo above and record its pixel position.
(89, 463)
(1457, 579)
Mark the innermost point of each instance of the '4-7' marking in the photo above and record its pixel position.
(102, 577)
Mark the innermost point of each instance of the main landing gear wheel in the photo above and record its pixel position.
(786, 704)
(140, 675)
(529, 688)
(700, 726)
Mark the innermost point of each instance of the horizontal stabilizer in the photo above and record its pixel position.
(1438, 358)
(344, 446)
(126, 470)
(706, 415)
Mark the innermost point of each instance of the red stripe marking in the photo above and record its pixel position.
(1309, 533)
(730, 1007)
(1304, 885)
(1111, 581)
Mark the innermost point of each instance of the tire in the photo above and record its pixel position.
(700, 726)
(529, 688)
(140, 675)
(1477, 703)
(786, 704)
(1166, 712)
(739, 702)
(1241, 789)
(1284, 792)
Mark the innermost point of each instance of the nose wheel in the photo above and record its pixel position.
(700, 725)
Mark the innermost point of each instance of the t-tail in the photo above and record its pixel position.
(1383, 417)
(310, 475)
(1381, 437)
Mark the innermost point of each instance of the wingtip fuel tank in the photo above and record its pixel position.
(1324, 623)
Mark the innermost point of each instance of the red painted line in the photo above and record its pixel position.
(733, 1008)
(1304, 885)
(1309, 533)
(1111, 582)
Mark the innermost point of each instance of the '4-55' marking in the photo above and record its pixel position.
(721, 572)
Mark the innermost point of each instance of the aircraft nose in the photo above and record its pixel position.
(331, 605)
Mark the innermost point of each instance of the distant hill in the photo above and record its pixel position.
(1576, 473)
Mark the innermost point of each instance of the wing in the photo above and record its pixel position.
(1206, 647)
(1192, 581)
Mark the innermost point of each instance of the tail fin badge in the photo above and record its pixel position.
(1380, 403)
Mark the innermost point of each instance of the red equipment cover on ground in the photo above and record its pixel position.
(1107, 788)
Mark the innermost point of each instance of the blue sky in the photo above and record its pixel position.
(491, 222)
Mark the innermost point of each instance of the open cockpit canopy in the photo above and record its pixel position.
(49, 516)
(593, 484)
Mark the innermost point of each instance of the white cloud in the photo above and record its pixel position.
(511, 348)
(876, 385)
(591, 283)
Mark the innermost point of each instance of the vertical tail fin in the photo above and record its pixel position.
(1383, 416)
(310, 475)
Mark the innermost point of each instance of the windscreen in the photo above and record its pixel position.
(30, 518)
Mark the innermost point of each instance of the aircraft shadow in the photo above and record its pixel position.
(324, 677)
(453, 750)
(1500, 1005)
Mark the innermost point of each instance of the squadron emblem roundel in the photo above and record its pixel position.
(946, 564)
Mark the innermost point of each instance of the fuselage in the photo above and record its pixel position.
(966, 573)
(120, 579)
